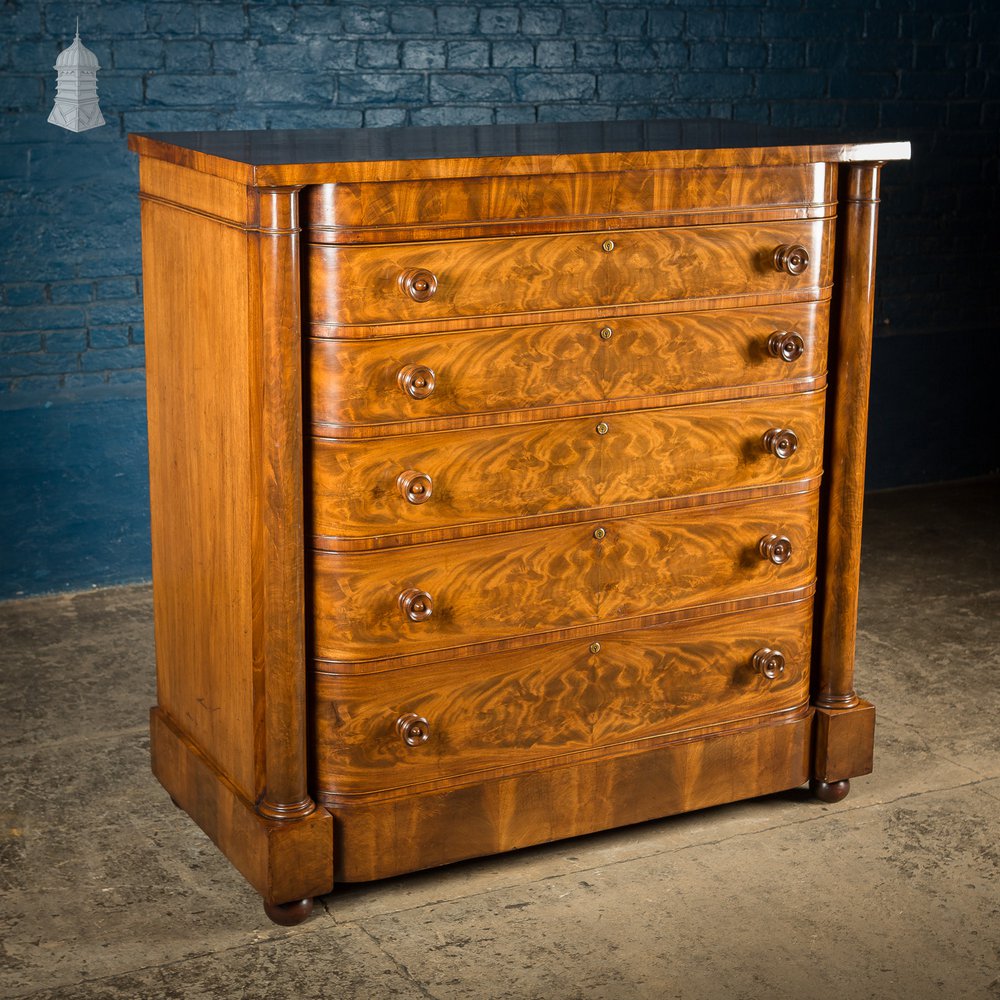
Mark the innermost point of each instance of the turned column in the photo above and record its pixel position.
(847, 423)
(280, 662)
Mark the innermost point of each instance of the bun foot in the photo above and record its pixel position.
(289, 914)
(830, 791)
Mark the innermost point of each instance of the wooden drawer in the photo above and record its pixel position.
(537, 274)
(361, 382)
(506, 710)
(383, 489)
(534, 583)
(374, 211)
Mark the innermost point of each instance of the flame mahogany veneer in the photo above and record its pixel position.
(505, 482)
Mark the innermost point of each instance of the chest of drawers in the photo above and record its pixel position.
(505, 482)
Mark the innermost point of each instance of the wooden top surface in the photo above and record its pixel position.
(308, 156)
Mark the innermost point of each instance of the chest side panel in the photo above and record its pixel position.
(199, 369)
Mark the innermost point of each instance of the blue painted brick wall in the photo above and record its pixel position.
(70, 294)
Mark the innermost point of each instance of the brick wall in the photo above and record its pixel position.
(927, 70)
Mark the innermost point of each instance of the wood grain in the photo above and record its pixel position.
(597, 598)
(539, 581)
(376, 839)
(201, 470)
(479, 278)
(646, 359)
(554, 466)
(844, 746)
(590, 313)
(847, 438)
(225, 441)
(282, 860)
(450, 208)
(217, 199)
(279, 632)
(282, 170)
(509, 710)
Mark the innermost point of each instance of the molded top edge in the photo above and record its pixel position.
(352, 145)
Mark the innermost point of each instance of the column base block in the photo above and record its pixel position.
(843, 742)
(284, 860)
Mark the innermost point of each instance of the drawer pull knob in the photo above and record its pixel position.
(775, 548)
(607, 333)
(417, 381)
(785, 345)
(416, 487)
(419, 283)
(608, 245)
(417, 605)
(770, 663)
(414, 730)
(793, 258)
(781, 442)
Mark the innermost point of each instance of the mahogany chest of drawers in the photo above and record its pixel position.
(505, 482)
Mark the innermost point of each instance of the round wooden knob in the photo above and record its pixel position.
(416, 487)
(781, 442)
(417, 605)
(775, 548)
(785, 345)
(769, 662)
(419, 283)
(417, 381)
(414, 730)
(792, 258)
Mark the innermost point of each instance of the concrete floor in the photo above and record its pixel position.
(107, 891)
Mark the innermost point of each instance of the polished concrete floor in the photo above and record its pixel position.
(107, 891)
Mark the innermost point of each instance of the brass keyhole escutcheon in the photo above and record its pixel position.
(608, 245)
(595, 647)
(607, 333)
(602, 428)
(599, 533)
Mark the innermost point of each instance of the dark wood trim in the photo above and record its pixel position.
(278, 557)
(844, 744)
(847, 429)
